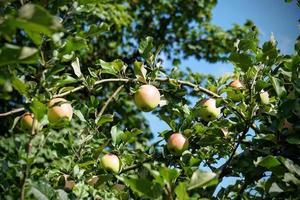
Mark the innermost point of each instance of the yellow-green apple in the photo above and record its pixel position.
(234, 93)
(208, 110)
(59, 109)
(111, 162)
(177, 143)
(27, 121)
(147, 98)
(264, 97)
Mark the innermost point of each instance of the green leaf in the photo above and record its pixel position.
(38, 108)
(267, 162)
(96, 30)
(42, 191)
(293, 139)
(288, 177)
(36, 18)
(20, 86)
(113, 67)
(130, 136)
(203, 179)
(16, 120)
(38, 194)
(145, 49)
(297, 46)
(181, 192)
(104, 119)
(169, 175)
(10, 54)
(73, 44)
(143, 187)
(79, 115)
(278, 86)
(62, 195)
(275, 188)
(76, 67)
(140, 71)
(116, 135)
(243, 61)
(290, 165)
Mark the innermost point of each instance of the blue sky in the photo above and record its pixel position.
(270, 16)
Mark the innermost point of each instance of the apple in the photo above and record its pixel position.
(208, 110)
(147, 98)
(177, 143)
(264, 97)
(234, 94)
(27, 121)
(111, 162)
(289, 126)
(59, 109)
(236, 84)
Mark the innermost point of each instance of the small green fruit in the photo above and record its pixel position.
(177, 143)
(111, 162)
(264, 97)
(58, 110)
(147, 98)
(208, 110)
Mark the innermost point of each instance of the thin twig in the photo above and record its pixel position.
(108, 101)
(28, 152)
(96, 83)
(224, 167)
(194, 86)
(137, 165)
(17, 110)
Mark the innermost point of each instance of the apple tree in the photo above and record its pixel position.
(76, 77)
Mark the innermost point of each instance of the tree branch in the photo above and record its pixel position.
(17, 110)
(108, 101)
(28, 152)
(137, 165)
(224, 167)
(194, 86)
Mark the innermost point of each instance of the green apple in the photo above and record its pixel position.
(27, 121)
(264, 97)
(111, 162)
(147, 98)
(208, 110)
(234, 94)
(59, 109)
(177, 143)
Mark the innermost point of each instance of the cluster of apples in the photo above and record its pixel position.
(59, 109)
(147, 98)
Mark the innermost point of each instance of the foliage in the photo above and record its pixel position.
(96, 54)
